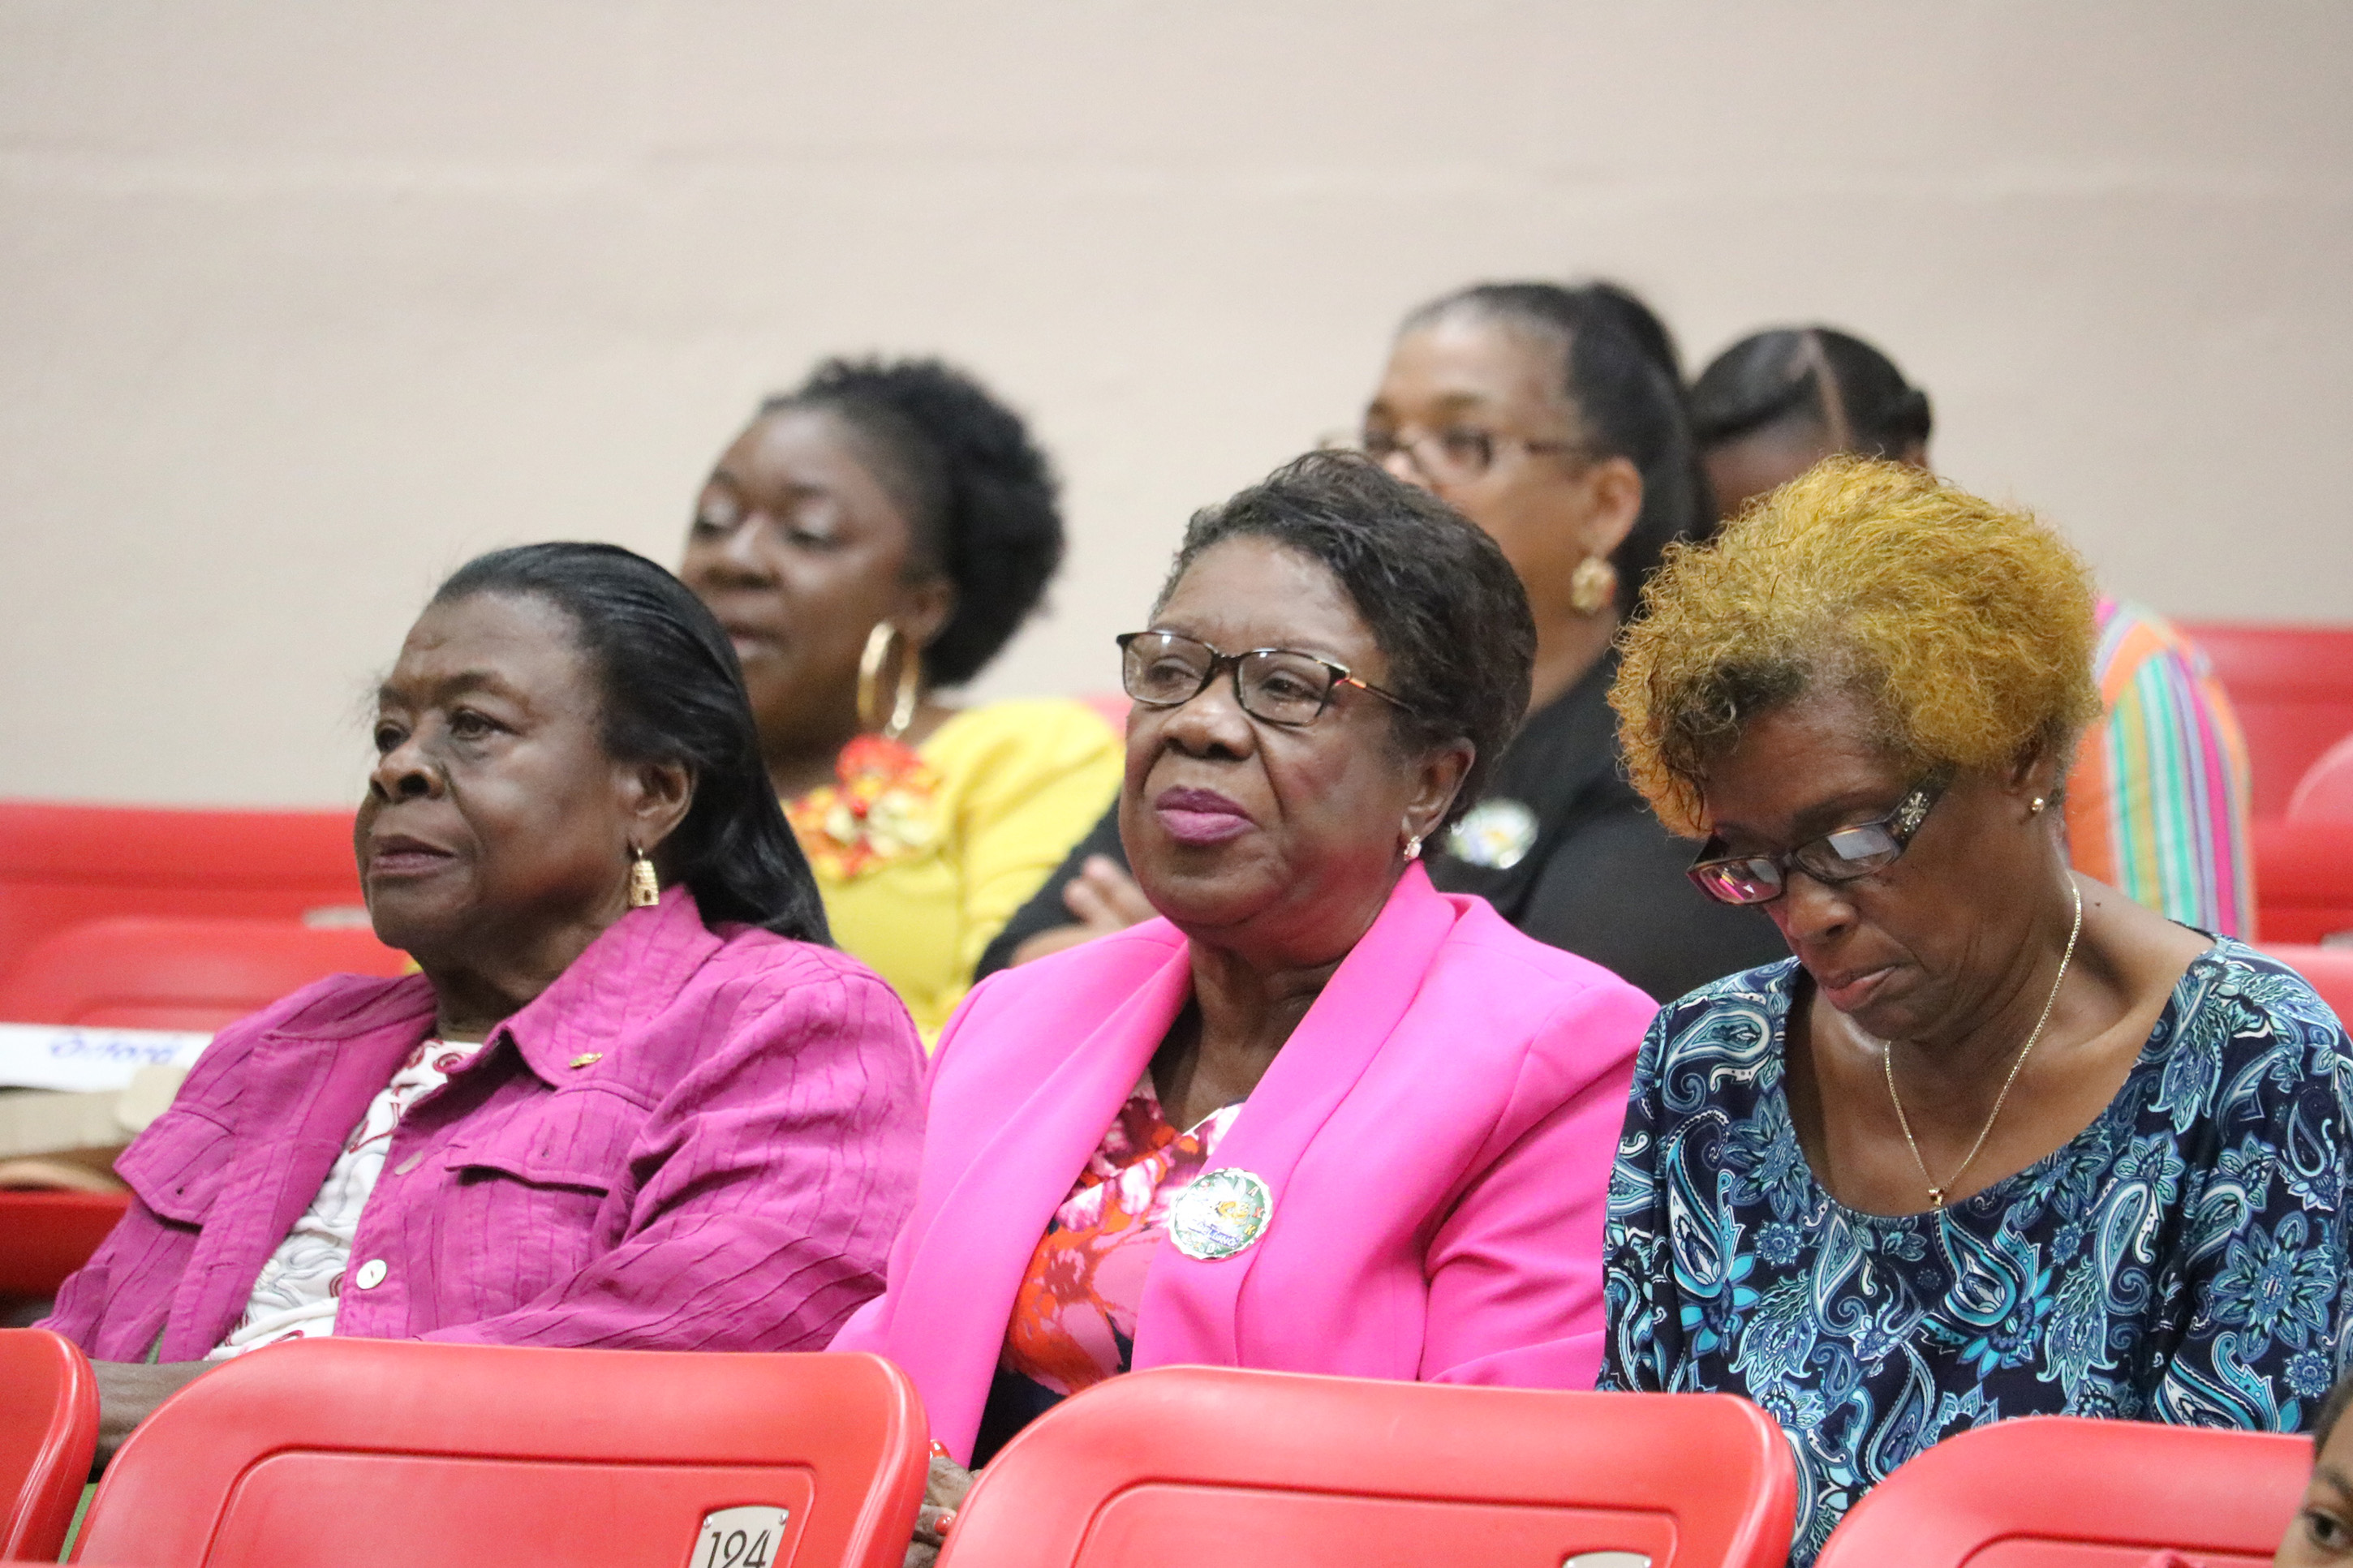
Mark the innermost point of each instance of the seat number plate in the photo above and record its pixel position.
(739, 1538)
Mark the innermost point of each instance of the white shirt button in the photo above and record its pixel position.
(372, 1273)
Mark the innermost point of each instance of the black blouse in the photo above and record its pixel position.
(1565, 850)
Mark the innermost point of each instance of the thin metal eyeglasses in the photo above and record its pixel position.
(1280, 685)
(1843, 855)
(1457, 454)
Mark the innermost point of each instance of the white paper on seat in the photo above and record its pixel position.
(61, 1055)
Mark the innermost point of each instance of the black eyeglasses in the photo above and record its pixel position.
(1457, 454)
(1280, 685)
(1842, 856)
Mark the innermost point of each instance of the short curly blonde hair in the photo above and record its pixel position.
(1967, 628)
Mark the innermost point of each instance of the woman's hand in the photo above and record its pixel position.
(943, 1495)
(128, 1393)
(1103, 897)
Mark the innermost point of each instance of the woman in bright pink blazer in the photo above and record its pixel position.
(1391, 1116)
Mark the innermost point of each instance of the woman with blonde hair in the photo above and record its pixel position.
(2159, 799)
(1998, 1140)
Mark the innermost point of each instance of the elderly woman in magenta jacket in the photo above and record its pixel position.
(1319, 1118)
(632, 1101)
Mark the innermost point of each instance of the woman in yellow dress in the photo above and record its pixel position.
(871, 537)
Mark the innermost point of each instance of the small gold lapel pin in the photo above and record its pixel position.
(587, 1058)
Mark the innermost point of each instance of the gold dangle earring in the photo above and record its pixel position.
(645, 888)
(870, 673)
(1593, 586)
(882, 643)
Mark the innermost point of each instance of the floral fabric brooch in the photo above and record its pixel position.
(881, 809)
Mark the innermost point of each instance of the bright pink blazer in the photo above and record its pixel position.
(1436, 1135)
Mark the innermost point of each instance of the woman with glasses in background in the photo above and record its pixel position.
(1319, 1116)
(1999, 1141)
(1552, 418)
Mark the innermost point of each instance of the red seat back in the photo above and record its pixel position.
(60, 865)
(1258, 1469)
(2304, 879)
(1112, 706)
(2326, 791)
(45, 1236)
(2329, 970)
(48, 1430)
(326, 1453)
(2060, 1491)
(2292, 688)
(140, 973)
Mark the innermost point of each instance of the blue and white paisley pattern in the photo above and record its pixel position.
(2182, 1259)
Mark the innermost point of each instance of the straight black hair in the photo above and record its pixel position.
(673, 693)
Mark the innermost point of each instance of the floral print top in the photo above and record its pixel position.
(1074, 1321)
(2181, 1259)
(877, 809)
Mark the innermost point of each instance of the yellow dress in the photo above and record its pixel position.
(923, 853)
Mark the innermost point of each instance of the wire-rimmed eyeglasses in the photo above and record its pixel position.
(1843, 855)
(1280, 685)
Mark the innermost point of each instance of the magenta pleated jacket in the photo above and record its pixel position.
(691, 1140)
(1436, 1135)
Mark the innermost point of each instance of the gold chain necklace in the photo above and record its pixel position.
(1936, 1194)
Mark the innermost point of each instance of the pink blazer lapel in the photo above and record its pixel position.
(1189, 1312)
(962, 1276)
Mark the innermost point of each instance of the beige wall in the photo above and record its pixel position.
(301, 305)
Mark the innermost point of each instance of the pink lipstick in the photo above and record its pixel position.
(1200, 816)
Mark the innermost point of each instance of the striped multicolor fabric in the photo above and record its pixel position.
(2157, 804)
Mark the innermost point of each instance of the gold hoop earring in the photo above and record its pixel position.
(1593, 586)
(881, 642)
(645, 888)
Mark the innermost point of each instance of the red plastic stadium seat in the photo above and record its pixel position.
(2304, 880)
(2060, 1491)
(2292, 688)
(60, 865)
(400, 1454)
(1112, 705)
(48, 1430)
(149, 973)
(1263, 1470)
(2326, 791)
(2329, 970)
(44, 1237)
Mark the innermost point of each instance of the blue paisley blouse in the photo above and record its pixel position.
(2182, 1259)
